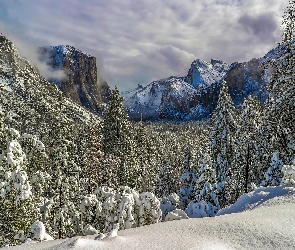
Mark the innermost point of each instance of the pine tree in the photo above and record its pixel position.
(146, 154)
(281, 109)
(166, 184)
(17, 205)
(60, 213)
(274, 174)
(117, 138)
(188, 181)
(222, 136)
(101, 169)
(247, 157)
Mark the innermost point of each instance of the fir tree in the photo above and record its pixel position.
(274, 174)
(222, 136)
(247, 160)
(117, 138)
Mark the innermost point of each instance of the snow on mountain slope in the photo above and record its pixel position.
(26, 93)
(206, 73)
(176, 97)
(267, 226)
(147, 100)
(201, 89)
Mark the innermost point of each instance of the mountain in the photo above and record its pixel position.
(30, 102)
(80, 81)
(194, 97)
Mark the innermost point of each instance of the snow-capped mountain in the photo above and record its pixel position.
(80, 81)
(30, 102)
(194, 97)
(205, 74)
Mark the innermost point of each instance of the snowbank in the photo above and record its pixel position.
(256, 198)
(269, 226)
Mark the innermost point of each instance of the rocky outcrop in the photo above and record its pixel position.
(79, 80)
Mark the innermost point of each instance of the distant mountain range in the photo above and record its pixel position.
(194, 97)
(191, 97)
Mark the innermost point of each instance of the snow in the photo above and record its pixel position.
(257, 198)
(4, 83)
(176, 214)
(89, 230)
(262, 219)
(39, 232)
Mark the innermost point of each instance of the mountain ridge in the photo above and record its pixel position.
(198, 91)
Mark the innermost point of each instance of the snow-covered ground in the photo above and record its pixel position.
(263, 219)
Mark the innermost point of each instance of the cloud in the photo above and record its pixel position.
(27, 46)
(138, 41)
(262, 25)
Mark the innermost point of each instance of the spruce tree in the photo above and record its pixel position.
(117, 138)
(246, 160)
(222, 139)
(274, 174)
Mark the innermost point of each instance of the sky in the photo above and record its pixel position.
(136, 42)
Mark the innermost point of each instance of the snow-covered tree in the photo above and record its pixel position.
(281, 110)
(188, 180)
(166, 184)
(146, 154)
(222, 136)
(274, 174)
(247, 151)
(60, 213)
(205, 202)
(117, 138)
(17, 205)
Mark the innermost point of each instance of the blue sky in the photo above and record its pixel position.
(138, 41)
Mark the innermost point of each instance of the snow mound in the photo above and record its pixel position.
(260, 196)
(176, 214)
(89, 230)
(269, 226)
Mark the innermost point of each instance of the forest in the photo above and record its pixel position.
(78, 173)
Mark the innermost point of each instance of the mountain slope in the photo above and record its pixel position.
(194, 96)
(32, 103)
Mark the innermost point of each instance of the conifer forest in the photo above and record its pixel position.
(79, 173)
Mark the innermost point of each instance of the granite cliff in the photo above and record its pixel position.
(80, 82)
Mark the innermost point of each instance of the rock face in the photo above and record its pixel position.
(29, 100)
(195, 96)
(79, 81)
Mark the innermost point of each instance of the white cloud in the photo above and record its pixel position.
(137, 41)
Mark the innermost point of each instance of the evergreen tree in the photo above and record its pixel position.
(18, 208)
(117, 138)
(274, 174)
(247, 160)
(60, 213)
(101, 169)
(281, 110)
(222, 136)
(146, 158)
(166, 184)
(188, 181)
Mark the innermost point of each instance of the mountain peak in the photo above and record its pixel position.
(80, 81)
